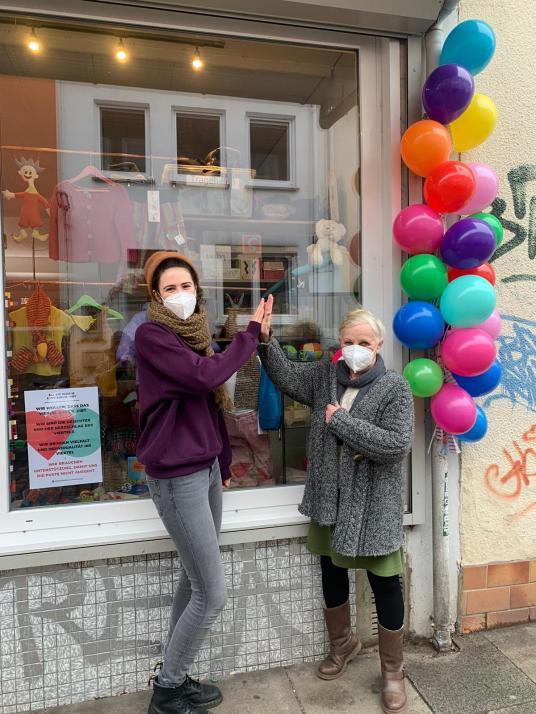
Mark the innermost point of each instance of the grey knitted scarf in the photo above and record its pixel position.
(363, 382)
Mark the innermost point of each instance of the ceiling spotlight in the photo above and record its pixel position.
(33, 43)
(120, 52)
(197, 62)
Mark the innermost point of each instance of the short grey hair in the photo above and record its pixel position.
(360, 316)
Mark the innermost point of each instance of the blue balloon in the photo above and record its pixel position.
(467, 301)
(478, 430)
(471, 44)
(483, 383)
(447, 92)
(418, 325)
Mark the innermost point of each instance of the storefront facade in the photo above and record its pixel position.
(264, 149)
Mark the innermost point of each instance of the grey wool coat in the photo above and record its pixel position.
(358, 489)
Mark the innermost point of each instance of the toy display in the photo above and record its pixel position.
(30, 220)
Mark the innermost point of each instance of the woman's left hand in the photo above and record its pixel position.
(227, 483)
(330, 411)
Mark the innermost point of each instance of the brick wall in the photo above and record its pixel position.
(498, 594)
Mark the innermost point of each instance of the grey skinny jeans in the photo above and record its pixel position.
(190, 508)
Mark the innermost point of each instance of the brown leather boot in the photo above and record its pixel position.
(344, 643)
(391, 657)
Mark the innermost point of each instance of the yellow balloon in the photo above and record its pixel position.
(474, 126)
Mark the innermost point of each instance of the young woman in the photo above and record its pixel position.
(361, 432)
(184, 447)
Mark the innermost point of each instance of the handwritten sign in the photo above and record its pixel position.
(63, 434)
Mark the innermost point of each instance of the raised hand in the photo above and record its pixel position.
(267, 320)
(258, 315)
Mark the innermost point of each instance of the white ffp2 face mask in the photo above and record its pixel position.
(357, 357)
(182, 304)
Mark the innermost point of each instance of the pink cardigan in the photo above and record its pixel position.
(93, 225)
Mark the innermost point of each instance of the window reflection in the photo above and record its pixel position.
(250, 169)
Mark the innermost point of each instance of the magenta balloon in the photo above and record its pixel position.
(468, 352)
(453, 409)
(418, 229)
(492, 325)
(486, 189)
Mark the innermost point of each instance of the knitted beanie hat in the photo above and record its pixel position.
(154, 260)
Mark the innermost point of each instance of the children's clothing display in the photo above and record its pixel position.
(37, 331)
(92, 357)
(252, 459)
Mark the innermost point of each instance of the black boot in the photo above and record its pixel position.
(172, 700)
(201, 694)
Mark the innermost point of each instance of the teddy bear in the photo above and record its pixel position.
(329, 233)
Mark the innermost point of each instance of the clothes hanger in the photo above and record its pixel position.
(88, 301)
(91, 170)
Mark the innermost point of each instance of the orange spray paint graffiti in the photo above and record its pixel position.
(521, 468)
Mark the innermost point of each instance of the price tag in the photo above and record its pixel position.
(153, 206)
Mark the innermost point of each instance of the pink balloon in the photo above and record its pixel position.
(418, 229)
(453, 409)
(487, 186)
(468, 351)
(492, 325)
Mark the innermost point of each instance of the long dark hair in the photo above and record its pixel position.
(177, 263)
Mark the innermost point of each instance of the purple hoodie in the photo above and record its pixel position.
(182, 429)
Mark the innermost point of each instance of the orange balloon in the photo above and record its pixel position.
(424, 146)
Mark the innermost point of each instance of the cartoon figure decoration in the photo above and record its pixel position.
(30, 216)
(329, 234)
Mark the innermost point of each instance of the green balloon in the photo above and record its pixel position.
(424, 277)
(494, 222)
(425, 377)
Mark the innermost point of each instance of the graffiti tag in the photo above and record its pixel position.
(511, 483)
(524, 206)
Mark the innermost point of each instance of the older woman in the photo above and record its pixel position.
(361, 433)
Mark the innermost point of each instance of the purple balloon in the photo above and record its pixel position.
(468, 243)
(447, 92)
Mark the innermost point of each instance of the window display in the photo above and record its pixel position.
(251, 175)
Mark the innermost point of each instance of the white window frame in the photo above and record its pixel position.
(126, 176)
(290, 122)
(32, 535)
(199, 179)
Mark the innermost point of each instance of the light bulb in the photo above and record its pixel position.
(33, 43)
(120, 52)
(197, 62)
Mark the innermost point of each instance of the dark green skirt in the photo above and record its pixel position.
(319, 543)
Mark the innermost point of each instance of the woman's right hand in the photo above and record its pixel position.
(258, 315)
(267, 320)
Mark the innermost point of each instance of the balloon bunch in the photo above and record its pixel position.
(448, 278)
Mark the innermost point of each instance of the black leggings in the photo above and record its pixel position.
(387, 593)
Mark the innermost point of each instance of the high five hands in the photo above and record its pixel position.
(263, 314)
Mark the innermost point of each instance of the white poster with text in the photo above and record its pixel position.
(63, 434)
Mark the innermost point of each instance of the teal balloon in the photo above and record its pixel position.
(471, 44)
(467, 301)
(85, 437)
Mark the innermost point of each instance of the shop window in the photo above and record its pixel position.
(199, 149)
(269, 145)
(122, 139)
(78, 228)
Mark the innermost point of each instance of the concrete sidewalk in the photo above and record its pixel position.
(489, 673)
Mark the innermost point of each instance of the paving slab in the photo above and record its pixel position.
(477, 679)
(136, 703)
(519, 645)
(265, 692)
(521, 709)
(358, 691)
(260, 692)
